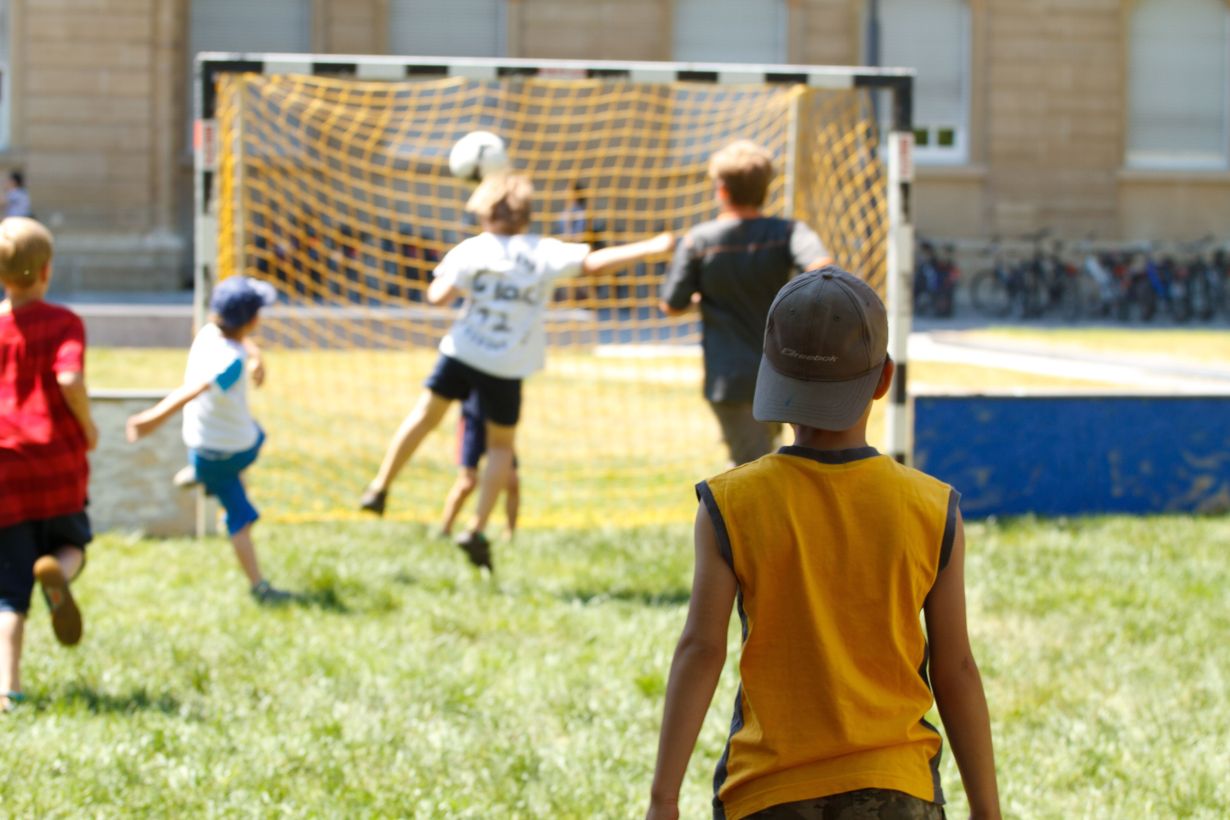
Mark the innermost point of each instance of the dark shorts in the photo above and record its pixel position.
(499, 399)
(746, 439)
(219, 472)
(23, 544)
(884, 804)
(472, 435)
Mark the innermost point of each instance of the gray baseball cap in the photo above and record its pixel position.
(824, 349)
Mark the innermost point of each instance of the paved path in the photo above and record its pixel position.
(1149, 373)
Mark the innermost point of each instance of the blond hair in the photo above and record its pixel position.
(504, 201)
(745, 170)
(25, 249)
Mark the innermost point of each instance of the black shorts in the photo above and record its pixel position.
(498, 398)
(472, 437)
(23, 544)
(473, 433)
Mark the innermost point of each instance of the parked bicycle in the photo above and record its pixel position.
(935, 280)
(994, 291)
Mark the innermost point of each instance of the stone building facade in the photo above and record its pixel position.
(1052, 108)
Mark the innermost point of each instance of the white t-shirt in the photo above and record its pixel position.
(218, 419)
(507, 281)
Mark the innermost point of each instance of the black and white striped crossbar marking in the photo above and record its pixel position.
(399, 68)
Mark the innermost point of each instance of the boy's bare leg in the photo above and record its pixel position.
(246, 553)
(512, 500)
(495, 476)
(70, 558)
(421, 420)
(12, 630)
(467, 480)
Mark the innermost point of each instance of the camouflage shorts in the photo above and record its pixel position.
(883, 804)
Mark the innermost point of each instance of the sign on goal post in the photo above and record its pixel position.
(327, 176)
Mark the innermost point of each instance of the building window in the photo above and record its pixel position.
(933, 38)
(268, 26)
(730, 31)
(6, 83)
(1179, 84)
(457, 28)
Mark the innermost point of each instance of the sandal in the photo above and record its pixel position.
(65, 617)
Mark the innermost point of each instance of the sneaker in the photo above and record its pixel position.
(10, 700)
(268, 595)
(477, 548)
(185, 478)
(373, 500)
(65, 617)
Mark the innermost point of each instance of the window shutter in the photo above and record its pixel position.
(730, 31)
(1177, 83)
(458, 28)
(246, 25)
(930, 36)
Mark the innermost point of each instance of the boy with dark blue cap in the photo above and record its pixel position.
(222, 437)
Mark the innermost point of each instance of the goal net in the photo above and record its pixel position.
(336, 189)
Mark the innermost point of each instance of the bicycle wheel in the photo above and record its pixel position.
(1145, 299)
(1205, 293)
(990, 295)
(1080, 298)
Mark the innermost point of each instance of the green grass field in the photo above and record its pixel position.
(403, 684)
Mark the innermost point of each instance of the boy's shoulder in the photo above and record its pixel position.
(52, 318)
(723, 229)
(784, 465)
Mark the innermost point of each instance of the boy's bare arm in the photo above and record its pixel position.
(147, 421)
(958, 685)
(695, 669)
(256, 361)
(441, 291)
(72, 385)
(665, 307)
(616, 255)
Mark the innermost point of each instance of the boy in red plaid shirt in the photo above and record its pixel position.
(45, 431)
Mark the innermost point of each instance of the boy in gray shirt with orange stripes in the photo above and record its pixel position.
(734, 265)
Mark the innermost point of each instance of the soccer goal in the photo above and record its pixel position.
(328, 176)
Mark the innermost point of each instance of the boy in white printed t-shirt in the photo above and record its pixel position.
(222, 437)
(507, 277)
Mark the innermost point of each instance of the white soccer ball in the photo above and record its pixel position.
(477, 154)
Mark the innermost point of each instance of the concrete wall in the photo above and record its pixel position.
(130, 484)
(99, 118)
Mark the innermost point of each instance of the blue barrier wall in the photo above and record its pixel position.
(1069, 455)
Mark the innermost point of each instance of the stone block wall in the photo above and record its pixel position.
(130, 484)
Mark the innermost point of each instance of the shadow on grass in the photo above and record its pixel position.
(107, 703)
(666, 598)
(323, 598)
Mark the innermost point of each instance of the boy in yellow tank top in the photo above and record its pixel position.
(830, 551)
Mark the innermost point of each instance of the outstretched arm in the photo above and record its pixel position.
(958, 685)
(256, 362)
(442, 291)
(147, 421)
(72, 385)
(617, 255)
(694, 670)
